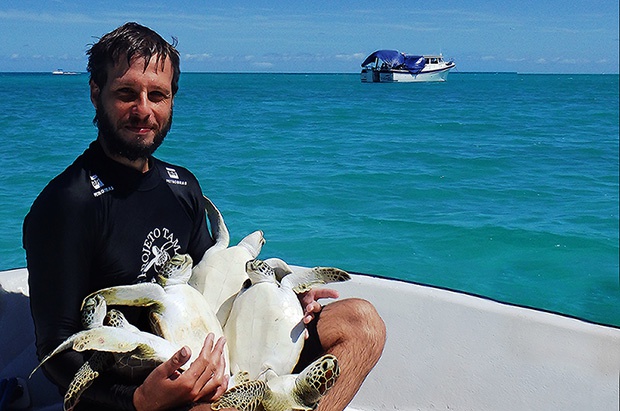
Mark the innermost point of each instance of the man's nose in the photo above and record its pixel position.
(141, 106)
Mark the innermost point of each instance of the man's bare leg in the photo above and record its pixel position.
(352, 330)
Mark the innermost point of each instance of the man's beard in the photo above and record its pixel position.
(116, 145)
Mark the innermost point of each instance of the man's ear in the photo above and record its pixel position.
(94, 93)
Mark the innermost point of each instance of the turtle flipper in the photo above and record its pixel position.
(109, 339)
(316, 379)
(303, 279)
(243, 397)
(85, 376)
(65, 345)
(141, 294)
(216, 221)
(240, 377)
(253, 242)
(101, 338)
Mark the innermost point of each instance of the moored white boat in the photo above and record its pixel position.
(61, 72)
(445, 350)
(392, 66)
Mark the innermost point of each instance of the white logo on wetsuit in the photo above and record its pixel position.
(172, 173)
(158, 248)
(174, 177)
(99, 186)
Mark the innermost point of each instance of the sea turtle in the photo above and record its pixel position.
(221, 271)
(285, 392)
(178, 312)
(118, 347)
(265, 329)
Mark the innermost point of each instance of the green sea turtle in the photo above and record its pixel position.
(265, 329)
(221, 271)
(178, 312)
(285, 392)
(117, 347)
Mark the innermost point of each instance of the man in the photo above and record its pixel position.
(117, 214)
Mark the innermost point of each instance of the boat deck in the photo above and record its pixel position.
(445, 350)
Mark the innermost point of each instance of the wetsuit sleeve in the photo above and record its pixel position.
(59, 241)
(58, 254)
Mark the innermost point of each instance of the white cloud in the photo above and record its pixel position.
(350, 57)
(263, 65)
(197, 57)
(55, 18)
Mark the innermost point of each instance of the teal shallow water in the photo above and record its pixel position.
(500, 185)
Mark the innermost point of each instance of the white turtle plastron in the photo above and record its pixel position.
(265, 330)
(179, 313)
(221, 272)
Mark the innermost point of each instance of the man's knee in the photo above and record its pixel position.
(353, 318)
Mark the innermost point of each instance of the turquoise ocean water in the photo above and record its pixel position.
(501, 185)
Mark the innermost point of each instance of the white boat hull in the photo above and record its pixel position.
(445, 350)
(452, 351)
(404, 76)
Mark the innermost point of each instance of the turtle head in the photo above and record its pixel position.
(115, 318)
(177, 270)
(258, 271)
(93, 311)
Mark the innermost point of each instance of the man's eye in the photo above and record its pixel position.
(157, 96)
(126, 94)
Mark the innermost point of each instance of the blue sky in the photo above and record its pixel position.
(553, 36)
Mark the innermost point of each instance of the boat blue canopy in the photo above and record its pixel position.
(396, 59)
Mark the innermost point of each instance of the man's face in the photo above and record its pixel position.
(134, 108)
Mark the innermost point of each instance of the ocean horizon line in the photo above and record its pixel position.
(72, 72)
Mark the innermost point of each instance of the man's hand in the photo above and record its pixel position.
(204, 380)
(310, 304)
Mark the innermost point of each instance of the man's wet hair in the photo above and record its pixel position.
(128, 41)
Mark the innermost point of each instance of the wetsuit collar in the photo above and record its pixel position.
(124, 178)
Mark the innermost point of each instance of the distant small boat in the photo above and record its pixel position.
(61, 72)
(392, 66)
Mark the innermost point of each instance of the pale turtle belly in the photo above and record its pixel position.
(265, 330)
(187, 319)
(224, 276)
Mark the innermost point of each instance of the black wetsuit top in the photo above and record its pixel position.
(100, 224)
